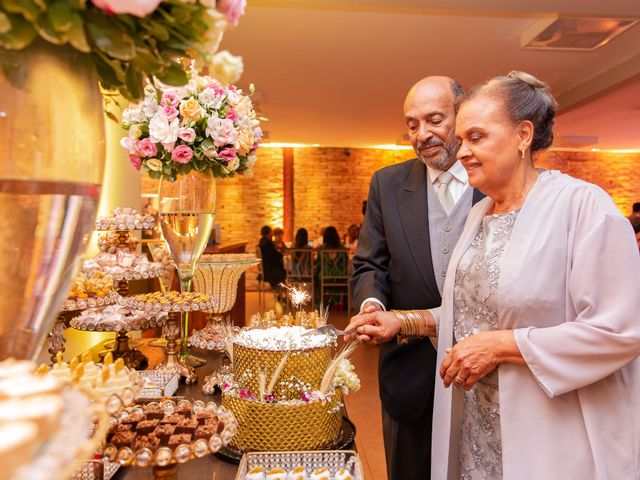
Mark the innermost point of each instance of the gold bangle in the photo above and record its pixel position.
(412, 324)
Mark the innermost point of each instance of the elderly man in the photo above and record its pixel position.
(415, 213)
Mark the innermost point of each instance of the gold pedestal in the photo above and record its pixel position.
(173, 363)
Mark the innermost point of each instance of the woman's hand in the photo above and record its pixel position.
(477, 356)
(374, 326)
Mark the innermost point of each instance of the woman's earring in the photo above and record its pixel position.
(521, 154)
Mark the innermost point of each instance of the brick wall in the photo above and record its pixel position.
(330, 184)
(617, 173)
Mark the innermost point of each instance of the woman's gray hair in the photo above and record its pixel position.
(525, 98)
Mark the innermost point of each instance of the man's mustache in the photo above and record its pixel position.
(431, 143)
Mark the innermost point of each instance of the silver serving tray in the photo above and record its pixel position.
(312, 460)
(166, 384)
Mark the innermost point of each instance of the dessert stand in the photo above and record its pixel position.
(165, 459)
(218, 276)
(125, 266)
(174, 303)
(125, 323)
(56, 338)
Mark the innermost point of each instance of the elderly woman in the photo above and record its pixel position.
(539, 330)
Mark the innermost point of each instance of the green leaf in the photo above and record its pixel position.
(110, 36)
(61, 16)
(156, 29)
(5, 23)
(106, 72)
(173, 75)
(199, 165)
(207, 143)
(133, 81)
(21, 35)
(77, 35)
(147, 62)
(48, 32)
(28, 8)
(77, 4)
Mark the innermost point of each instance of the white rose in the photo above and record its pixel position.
(128, 143)
(210, 98)
(150, 106)
(233, 98)
(226, 68)
(221, 131)
(163, 131)
(133, 115)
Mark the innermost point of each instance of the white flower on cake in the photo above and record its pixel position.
(346, 377)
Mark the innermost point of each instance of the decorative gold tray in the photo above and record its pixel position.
(169, 302)
(73, 304)
(128, 324)
(163, 456)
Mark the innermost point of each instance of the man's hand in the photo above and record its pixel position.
(367, 307)
(375, 327)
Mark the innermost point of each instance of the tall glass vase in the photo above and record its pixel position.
(187, 214)
(51, 165)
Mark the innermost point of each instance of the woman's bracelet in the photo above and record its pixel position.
(412, 325)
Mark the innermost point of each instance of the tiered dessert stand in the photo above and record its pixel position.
(218, 276)
(174, 304)
(93, 321)
(123, 265)
(72, 306)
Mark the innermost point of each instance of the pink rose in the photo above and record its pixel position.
(139, 8)
(232, 114)
(146, 147)
(182, 154)
(135, 161)
(170, 112)
(226, 154)
(187, 134)
(170, 98)
(217, 88)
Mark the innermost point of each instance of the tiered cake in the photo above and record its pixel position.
(276, 392)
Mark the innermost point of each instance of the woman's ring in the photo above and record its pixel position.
(459, 381)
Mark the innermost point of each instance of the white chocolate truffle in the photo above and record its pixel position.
(277, 474)
(342, 474)
(321, 474)
(256, 473)
(298, 473)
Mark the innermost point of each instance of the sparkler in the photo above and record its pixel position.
(297, 297)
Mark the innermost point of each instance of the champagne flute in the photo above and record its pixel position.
(52, 156)
(187, 215)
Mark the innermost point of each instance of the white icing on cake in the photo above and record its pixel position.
(282, 339)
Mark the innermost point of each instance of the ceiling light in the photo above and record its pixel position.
(573, 33)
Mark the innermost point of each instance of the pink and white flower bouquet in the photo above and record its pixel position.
(203, 125)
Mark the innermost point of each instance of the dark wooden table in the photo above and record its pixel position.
(202, 468)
